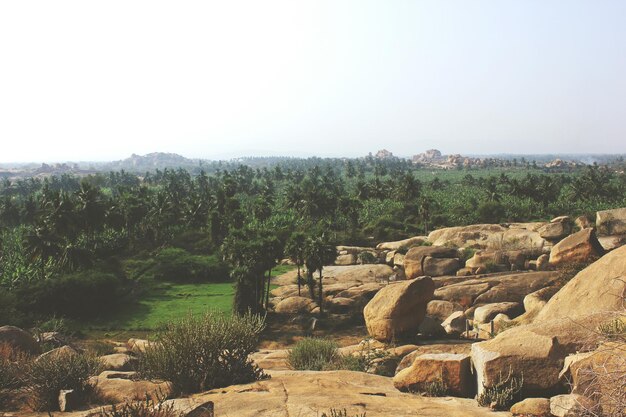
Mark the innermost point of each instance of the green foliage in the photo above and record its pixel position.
(366, 257)
(178, 265)
(436, 388)
(81, 294)
(312, 354)
(503, 394)
(47, 375)
(201, 353)
(490, 212)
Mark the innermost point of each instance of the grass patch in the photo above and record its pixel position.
(164, 302)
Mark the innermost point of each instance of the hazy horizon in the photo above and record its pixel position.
(82, 81)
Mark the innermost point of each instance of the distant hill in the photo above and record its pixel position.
(151, 161)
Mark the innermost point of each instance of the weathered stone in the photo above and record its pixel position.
(597, 288)
(441, 310)
(295, 305)
(347, 259)
(555, 230)
(570, 405)
(532, 407)
(118, 362)
(18, 339)
(433, 347)
(582, 222)
(455, 323)
(398, 260)
(397, 310)
(488, 312)
(296, 393)
(437, 267)
(431, 327)
(340, 305)
(535, 301)
(612, 242)
(581, 246)
(57, 353)
(414, 260)
(137, 346)
(451, 369)
(406, 243)
(543, 262)
(205, 410)
(118, 387)
(389, 257)
(611, 222)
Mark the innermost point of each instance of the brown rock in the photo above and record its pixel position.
(407, 360)
(611, 222)
(455, 323)
(441, 310)
(18, 339)
(582, 222)
(397, 310)
(295, 305)
(118, 362)
(117, 387)
(452, 369)
(597, 288)
(137, 346)
(406, 243)
(581, 246)
(612, 242)
(486, 313)
(535, 301)
(415, 259)
(437, 267)
(347, 259)
(570, 405)
(532, 407)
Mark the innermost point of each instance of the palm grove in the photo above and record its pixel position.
(73, 246)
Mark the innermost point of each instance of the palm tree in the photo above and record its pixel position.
(319, 252)
(295, 251)
(41, 245)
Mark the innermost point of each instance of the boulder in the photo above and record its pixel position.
(543, 262)
(57, 353)
(18, 339)
(408, 359)
(347, 259)
(612, 242)
(611, 222)
(599, 375)
(437, 267)
(490, 236)
(598, 288)
(582, 222)
(137, 346)
(305, 393)
(389, 257)
(414, 260)
(68, 400)
(405, 243)
(398, 259)
(455, 323)
(431, 327)
(579, 247)
(486, 313)
(535, 301)
(570, 405)
(532, 407)
(397, 310)
(441, 310)
(557, 229)
(295, 305)
(118, 362)
(340, 305)
(117, 387)
(454, 370)
(535, 351)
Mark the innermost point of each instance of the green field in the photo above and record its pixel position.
(164, 301)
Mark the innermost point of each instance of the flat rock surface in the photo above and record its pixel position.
(309, 394)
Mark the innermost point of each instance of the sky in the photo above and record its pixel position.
(90, 81)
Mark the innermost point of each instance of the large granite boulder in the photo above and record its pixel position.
(295, 305)
(557, 229)
(491, 236)
(579, 247)
(305, 393)
(486, 313)
(18, 339)
(600, 287)
(397, 310)
(611, 222)
(532, 407)
(453, 369)
(405, 243)
(117, 387)
(415, 260)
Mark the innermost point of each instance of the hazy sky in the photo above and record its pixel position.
(87, 80)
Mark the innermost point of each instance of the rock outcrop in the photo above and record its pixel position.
(405, 243)
(520, 236)
(611, 222)
(454, 370)
(420, 259)
(397, 310)
(579, 247)
(598, 288)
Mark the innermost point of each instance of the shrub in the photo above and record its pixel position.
(10, 361)
(49, 374)
(614, 330)
(503, 394)
(175, 264)
(366, 257)
(312, 354)
(81, 294)
(436, 388)
(201, 353)
(146, 408)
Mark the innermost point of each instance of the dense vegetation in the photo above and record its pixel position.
(77, 246)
